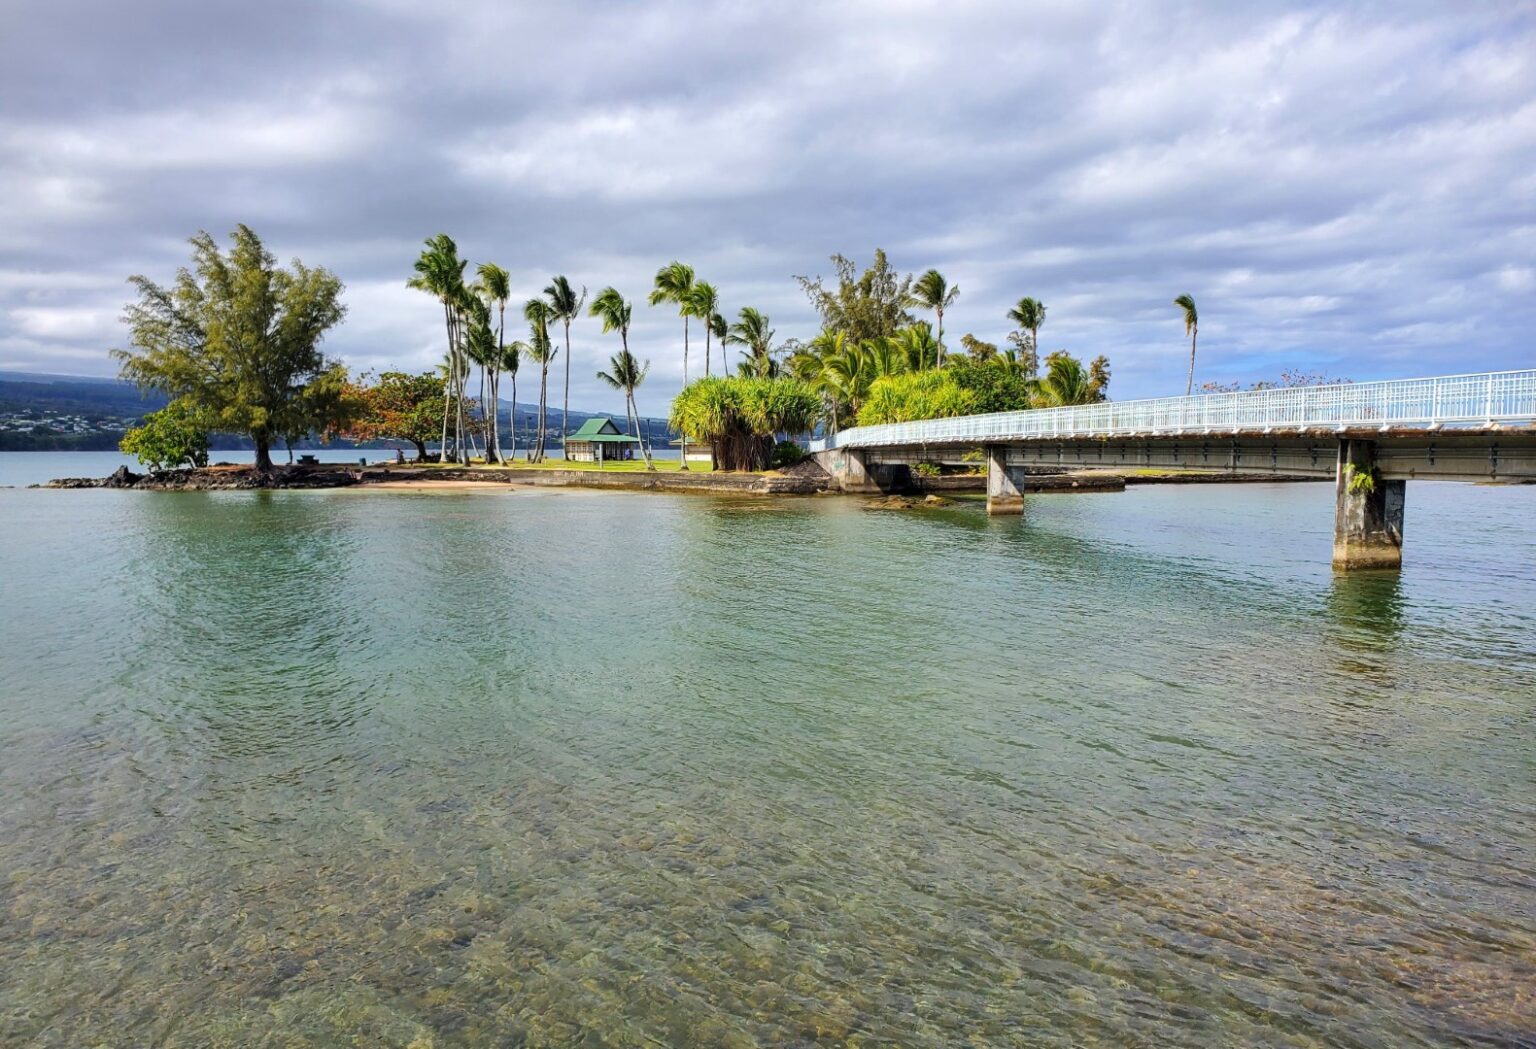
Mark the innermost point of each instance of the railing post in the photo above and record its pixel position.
(1488, 403)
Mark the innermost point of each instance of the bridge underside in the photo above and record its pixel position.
(1485, 455)
(1370, 469)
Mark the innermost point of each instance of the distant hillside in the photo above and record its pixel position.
(40, 412)
(21, 391)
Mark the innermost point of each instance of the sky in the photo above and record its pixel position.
(1344, 188)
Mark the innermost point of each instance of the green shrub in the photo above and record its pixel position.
(174, 436)
(927, 469)
(787, 453)
(915, 395)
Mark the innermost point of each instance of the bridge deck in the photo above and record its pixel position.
(1483, 405)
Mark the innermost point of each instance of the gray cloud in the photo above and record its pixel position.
(1348, 188)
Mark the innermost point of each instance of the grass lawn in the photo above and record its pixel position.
(556, 463)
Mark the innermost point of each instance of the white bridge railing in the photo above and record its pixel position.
(1453, 400)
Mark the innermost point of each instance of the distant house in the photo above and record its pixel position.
(598, 441)
(698, 452)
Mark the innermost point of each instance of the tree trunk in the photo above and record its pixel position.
(1189, 387)
(442, 448)
(421, 450)
(682, 448)
(938, 351)
(707, 332)
(537, 454)
(512, 417)
(263, 453)
(565, 406)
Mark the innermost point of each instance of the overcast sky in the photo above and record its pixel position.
(1348, 188)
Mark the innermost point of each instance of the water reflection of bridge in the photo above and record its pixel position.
(1371, 437)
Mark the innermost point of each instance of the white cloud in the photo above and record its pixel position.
(1333, 183)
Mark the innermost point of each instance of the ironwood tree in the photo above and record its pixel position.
(237, 338)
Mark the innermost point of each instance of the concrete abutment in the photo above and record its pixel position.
(1005, 483)
(1368, 511)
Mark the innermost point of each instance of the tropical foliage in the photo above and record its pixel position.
(237, 338)
(1186, 303)
(739, 417)
(932, 292)
(868, 305)
(1028, 314)
(397, 407)
(565, 306)
(624, 371)
(541, 351)
(174, 436)
(915, 395)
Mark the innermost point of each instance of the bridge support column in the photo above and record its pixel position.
(849, 469)
(1368, 511)
(1005, 484)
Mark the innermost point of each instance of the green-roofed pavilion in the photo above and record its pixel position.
(599, 440)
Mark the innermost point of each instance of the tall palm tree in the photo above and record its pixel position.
(703, 302)
(512, 355)
(480, 347)
(565, 306)
(753, 332)
(932, 292)
(625, 374)
(718, 328)
(495, 287)
(1186, 303)
(1029, 315)
(674, 284)
(537, 313)
(440, 273)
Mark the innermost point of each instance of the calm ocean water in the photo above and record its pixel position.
(575, 768)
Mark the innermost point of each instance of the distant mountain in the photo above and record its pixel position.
(23, 391)
(78, 413)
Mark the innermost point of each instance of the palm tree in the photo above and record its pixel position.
(440, 273)
(932, 292)
(917, 344)
(703, 302)
(1067, 382)
(1029, 315)
(565, 306)
(625, 373)
(718, 328)
(495, 287)
(512, 355)
(480, 346)
(753, 332)
(674, 284)
(540, 349)
(1192, 329)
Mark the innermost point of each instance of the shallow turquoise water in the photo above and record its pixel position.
(568, 768)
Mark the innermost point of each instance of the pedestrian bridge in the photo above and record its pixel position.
(1371, 437)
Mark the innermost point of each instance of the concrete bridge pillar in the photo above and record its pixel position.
(849, 469)
(1368, 511)
(1005, 484)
